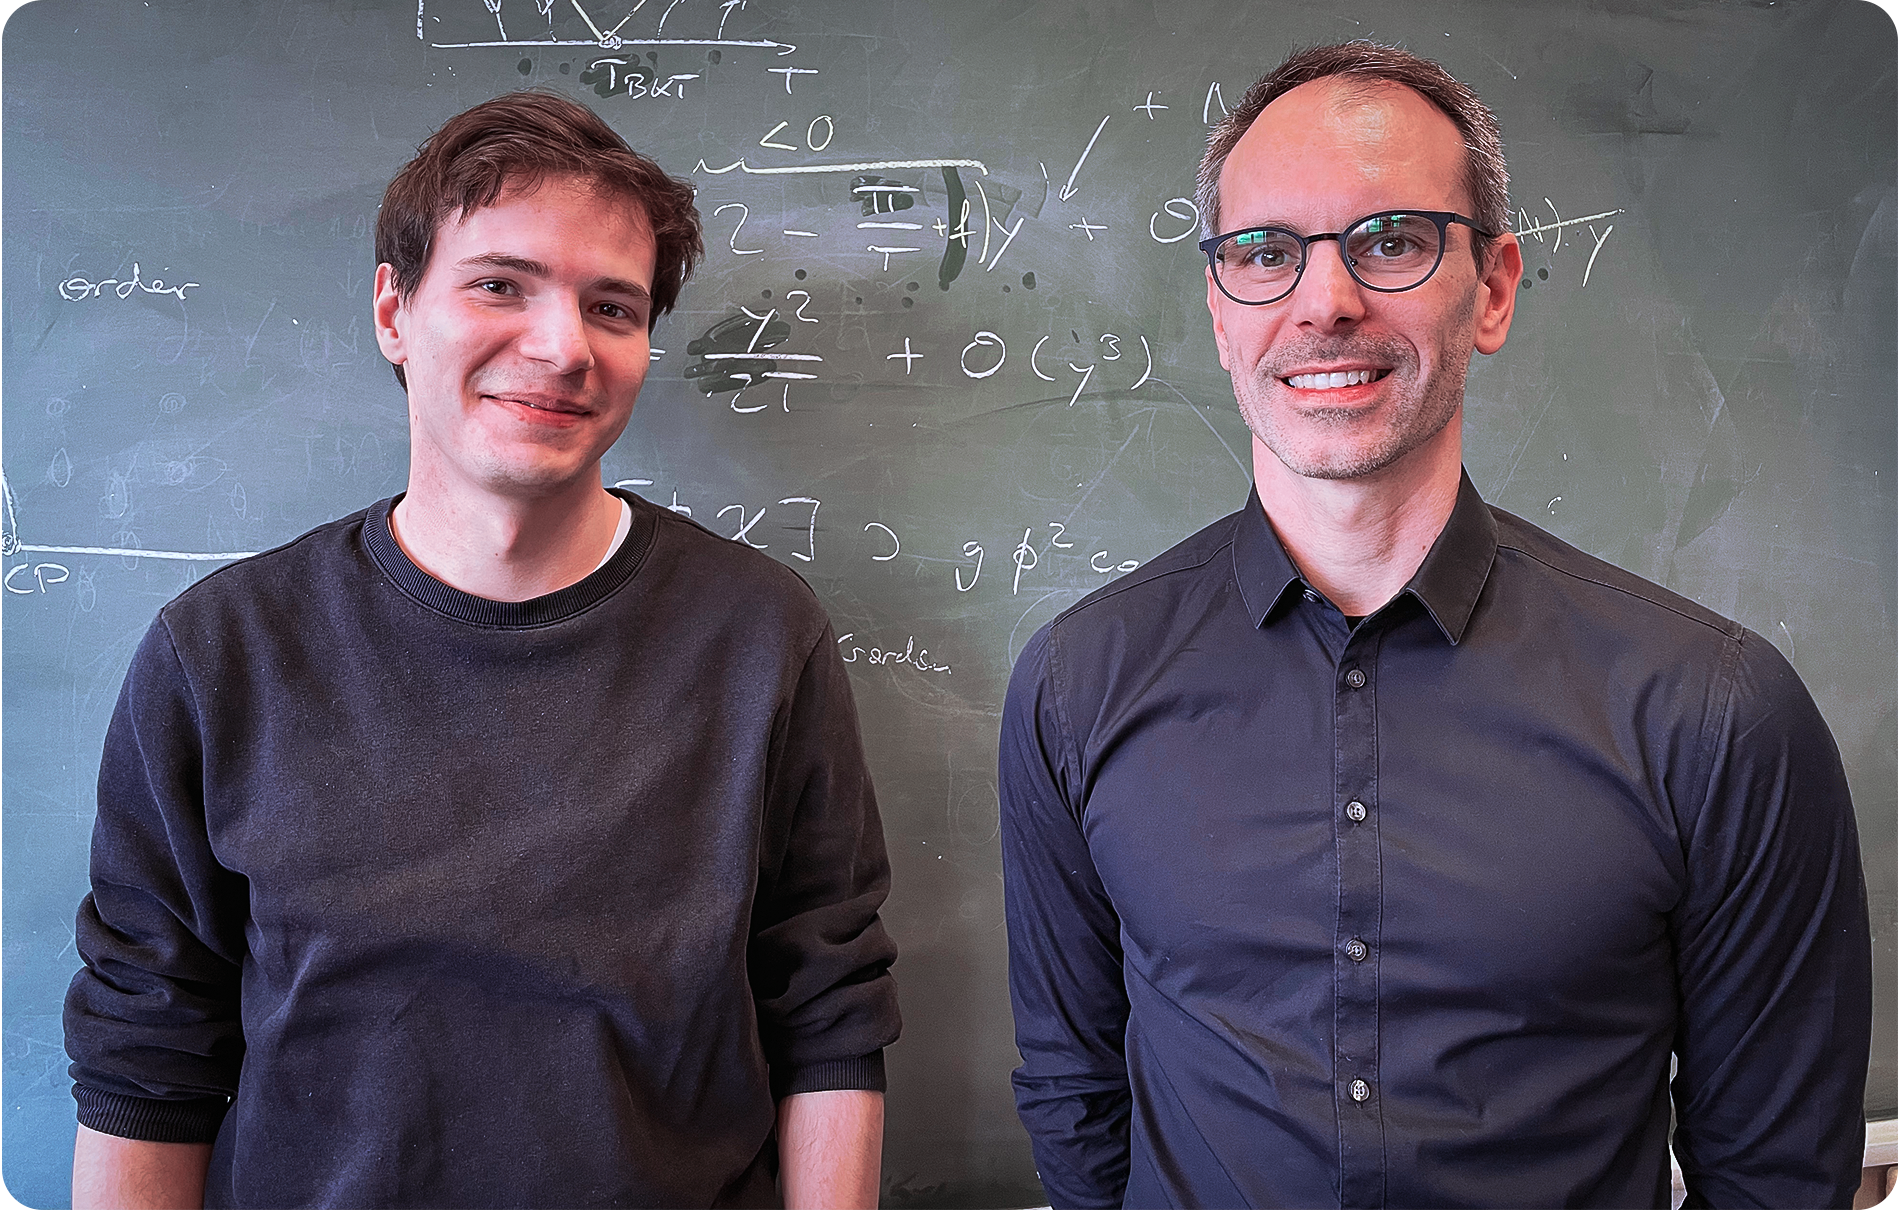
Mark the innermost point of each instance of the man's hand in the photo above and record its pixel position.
(111, 1173)
(830, 1150)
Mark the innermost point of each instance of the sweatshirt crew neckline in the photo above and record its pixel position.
(557, 606)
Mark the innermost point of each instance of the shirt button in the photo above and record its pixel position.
(1355, 678)
(1356, 951)
(1360, 1091)
(1355, 812)
(1311, 595)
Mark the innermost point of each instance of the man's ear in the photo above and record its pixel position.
(389, 318)
(1214, 303)
(389, 321)
(1496, 288)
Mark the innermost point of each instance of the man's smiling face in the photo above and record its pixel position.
(1338, 381)
(525, 343)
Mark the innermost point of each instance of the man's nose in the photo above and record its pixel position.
(557, 335)
(1327, 297)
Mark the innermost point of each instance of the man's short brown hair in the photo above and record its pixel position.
(1367, 64)
(518, 140)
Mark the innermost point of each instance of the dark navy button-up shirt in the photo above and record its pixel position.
(1416, 912)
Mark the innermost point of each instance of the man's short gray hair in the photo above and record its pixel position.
(1368, 65)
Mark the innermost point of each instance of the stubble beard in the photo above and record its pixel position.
(1353, 443)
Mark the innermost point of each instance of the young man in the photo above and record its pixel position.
(1373, 847)
(509, 842)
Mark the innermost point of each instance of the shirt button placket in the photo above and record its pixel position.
(1360, 1123)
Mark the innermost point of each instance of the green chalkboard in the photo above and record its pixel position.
(969, 372)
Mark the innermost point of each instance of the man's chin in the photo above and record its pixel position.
(1339, 469)
(1337, 458)
(1345, 443)
(528, 480)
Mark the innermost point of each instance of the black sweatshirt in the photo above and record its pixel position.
(463, 902)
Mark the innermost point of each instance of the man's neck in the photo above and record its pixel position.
(506, 548)
(1359, 541)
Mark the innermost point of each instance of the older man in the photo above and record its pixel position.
(508, 842)
(1374, 847)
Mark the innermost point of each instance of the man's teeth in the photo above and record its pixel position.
(1325, 382)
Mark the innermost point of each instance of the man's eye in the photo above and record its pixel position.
(495, 286)
(614, 311)
(1261, 251)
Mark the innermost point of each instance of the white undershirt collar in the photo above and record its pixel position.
(619, 534)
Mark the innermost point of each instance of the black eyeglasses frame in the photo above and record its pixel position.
(1442, 218)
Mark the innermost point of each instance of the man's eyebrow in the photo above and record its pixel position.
(613, 285)
(529, 267)
(501, 260)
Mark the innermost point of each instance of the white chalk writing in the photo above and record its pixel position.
(917, 658)
(73, 289)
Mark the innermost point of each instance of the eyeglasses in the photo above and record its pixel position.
(1391, 252)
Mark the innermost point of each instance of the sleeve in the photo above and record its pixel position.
(1064, 956)
(819, 955)
(151, 1020)
(1773, 953)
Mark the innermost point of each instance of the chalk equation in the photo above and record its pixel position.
(744, 350)
(877, 202)
(77, 289)
(730, 360)
(878, 542)
(1027, 556)
(1528, 228)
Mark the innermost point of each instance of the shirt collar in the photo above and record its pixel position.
(1447, 584)
(1457, 567)
(1267, 577)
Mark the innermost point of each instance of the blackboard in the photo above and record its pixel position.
(953, 248)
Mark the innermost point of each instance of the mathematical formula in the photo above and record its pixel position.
(746, 350)
(877, 542)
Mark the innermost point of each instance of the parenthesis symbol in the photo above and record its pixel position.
(1033, 366)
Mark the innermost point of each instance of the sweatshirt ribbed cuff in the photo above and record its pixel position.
(865, 1073)
(149, 1119)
